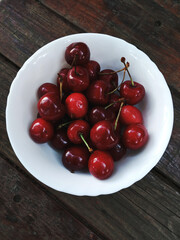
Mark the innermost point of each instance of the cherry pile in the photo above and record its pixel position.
(88, 115)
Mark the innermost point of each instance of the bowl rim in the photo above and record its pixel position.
(141, 174)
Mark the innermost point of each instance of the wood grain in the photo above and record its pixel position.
(152, 28)
(149, 208)
(26, 212)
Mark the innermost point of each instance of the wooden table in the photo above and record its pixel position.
(150, 209)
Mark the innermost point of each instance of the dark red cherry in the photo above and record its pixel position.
(135, 136)
(99, 113)
(47, 87)
(76, 105)
(97, 93)
(50, 107)
(62, 76)
(101, 164)
(77, 53)
(41, 131)
(118, 151)
(78, 79)
(60, 139)
(93, 69)
(114, 98)
(133, 94)
(77, 128)
(110, 79)
(103, 136)
(130, 114)
(75, 158)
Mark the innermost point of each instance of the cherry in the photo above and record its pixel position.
(135, 136)
(78, 79)
(77, 54)
(130, 114)
(50, 107)
(93, 68)
(75, 158)
(76, 105)
(62, 76)
(118, 151)
(47, 87)
(41, 131)
(103, 136)
(76, 130)
(60, 139)
(114, 99)
(99, 113)
(110, 79)
(97, 93)
(133, 94)
(101, 164)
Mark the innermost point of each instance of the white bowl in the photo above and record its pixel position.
(42, 161)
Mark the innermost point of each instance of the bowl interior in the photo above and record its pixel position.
(42, 161)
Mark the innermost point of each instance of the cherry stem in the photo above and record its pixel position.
(83, 139)
(74, 64)
(120, 100)
(117, 118)
(123, 61)
(60, 86)
(100, 73)
(64, 124)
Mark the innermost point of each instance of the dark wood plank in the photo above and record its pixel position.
(25, 26)
(26, 212)
(147, 210)
(146, 24)
(172, 5)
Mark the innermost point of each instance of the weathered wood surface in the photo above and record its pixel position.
(147, 210)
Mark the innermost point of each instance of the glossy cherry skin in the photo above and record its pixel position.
(75, 129)
(135, 136)
(50, 107)
(41, 131)
(97, 93)
(78, 79)
(47, 87)
(113, 98)
(101, 164)
(118, 151)
(130, 114)
(110, 79)
(62, 75)
(132, 94)
(99, 113)
(93, 68)
(76, 105)
(60, 139)
(103, 136)
(79, 51)
(75, 158)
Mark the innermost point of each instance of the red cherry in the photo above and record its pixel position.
(60, 139)
(103, 136)
(78, 79)
(77, 128)
(41, 131)
(77, 54)
(118, 151)
(62, 76)
(130, 114)
(98, 113)
(93, 68)
(101, 164)
(97, 93)
(110, 79)
(135, 136)
(50, 107)
(76, 105)
(132, 93)
(75, 158)
(47, 87)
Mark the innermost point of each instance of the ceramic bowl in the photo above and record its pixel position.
(42, 161)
